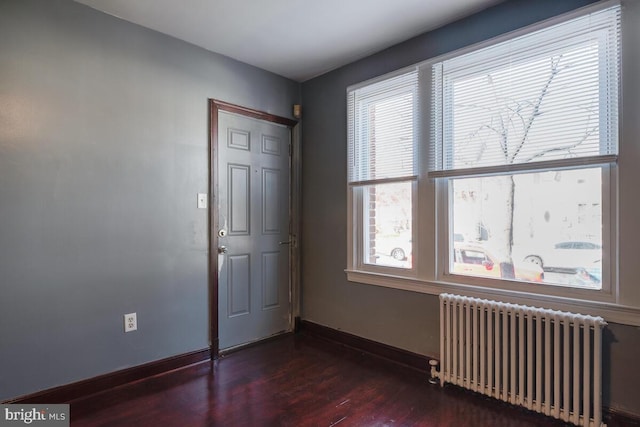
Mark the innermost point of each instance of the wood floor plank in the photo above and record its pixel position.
(297, 381)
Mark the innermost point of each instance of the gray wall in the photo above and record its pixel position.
(103, 147)
(400, 318)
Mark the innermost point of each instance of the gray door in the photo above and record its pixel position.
(253, 235)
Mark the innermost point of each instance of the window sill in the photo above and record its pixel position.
(611, 312)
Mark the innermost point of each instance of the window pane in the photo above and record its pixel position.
(548, 96)
(542, 227)
(387, 224)
(389, 128)
(547, 108)
(381, 129)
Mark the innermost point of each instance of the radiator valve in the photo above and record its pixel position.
(434, 374)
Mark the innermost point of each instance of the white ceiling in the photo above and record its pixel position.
(298, 39)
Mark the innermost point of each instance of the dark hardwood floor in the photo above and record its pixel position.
(295, 381)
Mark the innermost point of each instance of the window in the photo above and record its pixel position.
(382, 171)
(494, 168)
(527, 142)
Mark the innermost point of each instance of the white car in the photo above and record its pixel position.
(397, 247)
(569, 255)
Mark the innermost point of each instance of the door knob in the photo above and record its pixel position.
(222, 250)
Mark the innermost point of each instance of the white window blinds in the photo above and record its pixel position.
(543, 100)
(381, 130)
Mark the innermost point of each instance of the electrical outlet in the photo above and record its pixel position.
(130, 322)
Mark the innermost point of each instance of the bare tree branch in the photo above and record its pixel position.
(536, 109)
(504, 136)
(566, 147)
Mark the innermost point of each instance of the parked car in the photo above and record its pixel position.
(400, 253)
(476, 260)
(570, 255)
(397, 247)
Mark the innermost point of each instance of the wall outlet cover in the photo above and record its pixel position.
(130, 322)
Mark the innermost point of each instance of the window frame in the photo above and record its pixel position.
(446, 174)
(431, 237)
(605, 294)
(355, 189)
